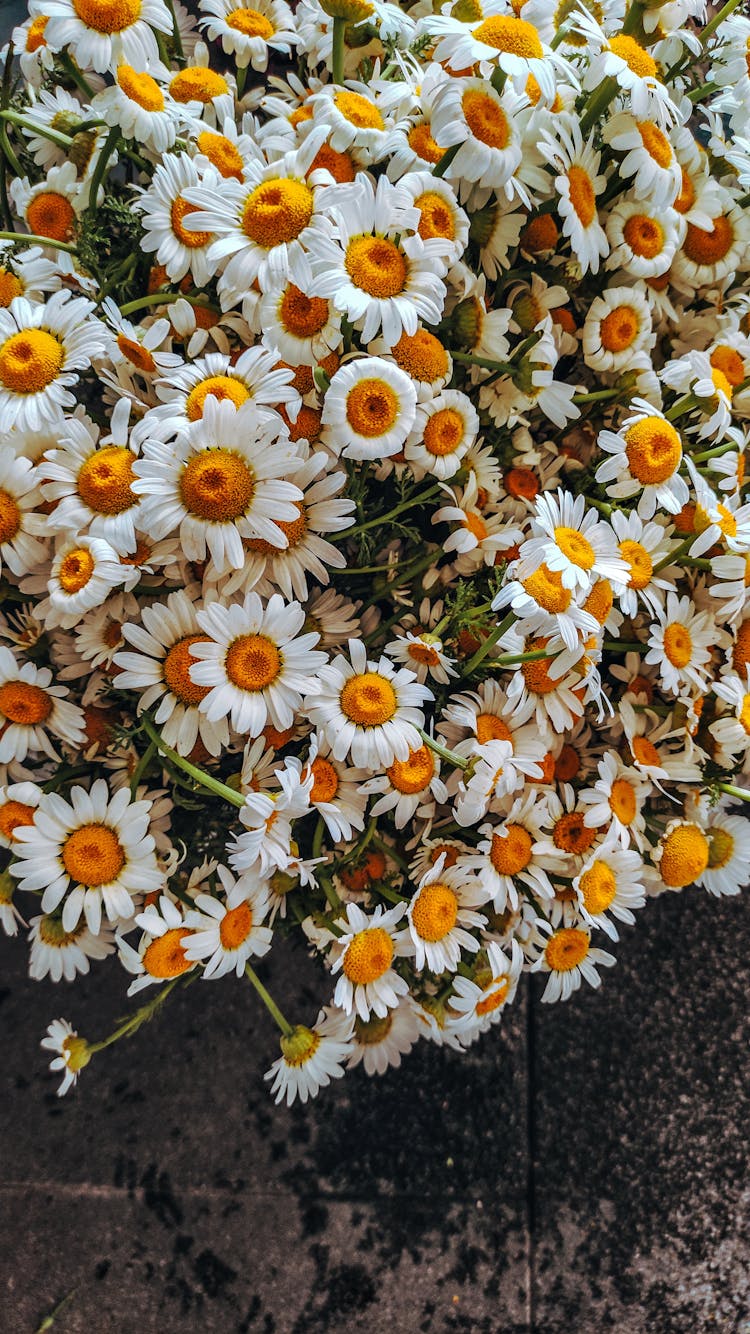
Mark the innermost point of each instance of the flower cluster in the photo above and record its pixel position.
(374, 542)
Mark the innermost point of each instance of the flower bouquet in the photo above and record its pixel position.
(374, 390)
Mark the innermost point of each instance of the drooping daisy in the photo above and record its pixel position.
(487, 715)
(222, 480)
(617, 330)
(578, 183)
(60, 954)
(94, 29)
(443, 432)
(568, 957)
(89, 854)
(539, 598)
(631, 65)
(311, 1057)
(265, 845)
(255, 662)
(363, 956)
(42, 347)
(646, 454)
(73, 1053)
(439, 214)
(379, 1044)
(368, 709)
(32, 710)
(369, 409)
(480, 1000)
(248, 32)
(680, 643)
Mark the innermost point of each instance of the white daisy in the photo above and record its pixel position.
(42, 347)
(482, 998)
(90, 480)
(73, 1053)
(57, 953)
(643, 237)
(568, 957)
(160, 955)
(165, 207)
(369, 409)
(311, 1057)
(516, 854)
(250, 33)
(33, 710)
(441, 915)
(617, 331)
(610, 882)
(442, 435)
(410, 787)
(577, 183)
(363, 955)
(20, 551)
(680, 643)
(95, 31)
(379, 1044)
(483, 130)
(728, 867)
(646, 454)
(302, 329)
(140, 105)
(228, 931)
(577, 544)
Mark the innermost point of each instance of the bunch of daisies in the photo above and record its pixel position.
(375, 551)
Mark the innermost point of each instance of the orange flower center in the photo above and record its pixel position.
(654, 450)
(24, 703)
(197, 83)
(358, 110)
(10, 516)
(251, 23)
(217, 485)
(685, 855)
(376, 266)
(444, 432)
(421, 142)
(108, 16)
(512, 35)
(165, 956)
(598, 887)
(709, 247)
(486, 119)
(413, 774)
(372, 408)
(325, 780)
(93, 855)
(179, 210)
(636, 59)
(104, 481)
(566, 949)
(222, 387)
(235, 926)
(14, 814)
(177, 664)
(253, 662)
(619, 329)
(622, 801)
(30, 361)
(140, 88)
(76, 570)
(435, 912)
(368, 700)
(570, 834)
(644, 235)
(512, 853)
(581, 192)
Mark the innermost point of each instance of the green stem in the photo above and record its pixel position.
(163, 299)
(8, 153)
(598, 396)
(741, 793)
(674, 555)
(633, 19)
(442, 166)
(682, 406)
(241, 81)
(26, 238)
(45, 131)
(142, 766)
(337, 55)
(445, 754)
(269, 1002)
(718, 19)
(317, 843)
(489, 642)
(141, 1016)
(598, 103)
(622, 646)
(515, 659)
(101, 164)
(70, 67)
(705, 90)
(356, 852)
(380, 519)
(714, 453)
(199, 776)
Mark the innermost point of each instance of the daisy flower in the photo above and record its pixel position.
(379, 1044)
(410, 787)
(139, 104)
(479, 536)
(643, 546)
(32, 710)
(617, 799)
(610, 882)
(369, 409)
(311, 1057)
(72, 1053)
(682, 855)
(228, 932)
(352, 118)
(497, 40)
(219, 482)
(247, 32)
(569, 957)
(680, 643)
(363, 956)
(646, 454)
(42, 347)
(516, 854)
(253, 375)
(373, 272)
(423, 359)
(728, 867)
(368, 709)
(60, 954)
(89, 854)
(482, 129)
(141, 346)
(487, 715)
(255, 662)
(424, 654)
(90, 482)
(617, 330)
(443, 432)
(480, 1000)
(337, 793)
(265, 846)
(631, 65)
(577, 182)
(26, 273)
(302, 329)
(644, 238)
(83, 573)
(93, 31)
(731, 730)
(546, 607)
(576, 544)
(52, 208)
(441, 915)
(160, 956)
(18, 801)
(20, 551)
(164, 207)
(439, 214)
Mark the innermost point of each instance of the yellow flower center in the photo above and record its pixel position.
(10, 516)
(511, 853)
(489, 727)
(368, 956)
(93, 855)
(224, 155)
(35, 34)
(300, 1046)
(644, 235)
(515, 36)
(358, 110)
(197, 83)
(741, 650)
(372, 1031)
(598, 887)
(575, 547)
(235, 926)
(645, 752)
(545, 587)
(636, 59)
(108, 16)
(51, 214)
(721, 848)
(294, 531)
(253, 662)
(654, 450)
(570, 834)
(137, 355)
(639, 561)
(486, 119)
(23, 703)
(730, 363)
(325, 780)
(177, 664)
(542, 233)
(435, 912)
(581, 193)
(14, 814)
(222, 387)
(443, 432)
(436, 217)
(191, 240)
(413, 774)
(622, 802)
(678, 645)
(744, 715)
(708, 247)
(217, 485)
(372, 408)
(421, 355)
(140, 88)
(721, 384)
(104, 481)
(368, 700)
(619, 329)
(376, 266)
(488, 1004)
(600, 601)
(535, 673)
(10, 287)
(340, 165)
(165, 956)
(53, 933)
(566, 949)
(685, 856)
(421, 142)
(76, 569)
(300, 315)
(251, 23)
(30, 361)
(277, 211)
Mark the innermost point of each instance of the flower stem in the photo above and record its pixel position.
(380, 519)
(337, 55)
(443, 751)
(135, 1021)
(718, 19)
(742, 793)
(141, 767)
(72, 70)
(598, 103)
(101, 165)
(211, 784)
(442, 166)
(27, 238)
(269, 1002)
(162, 299)
(674, 555)
(45, 131)
(489, 642)
(682, 406)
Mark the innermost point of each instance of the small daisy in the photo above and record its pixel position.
(680, 643)
(57, 953)
(364, 953)
(73, 1053)
(42, 347)
(368, 709)
(83, 573)
(617, 800)
(728, 867)
(90, 481)
(422, 357)
(568, 956)
(17, 805)
(439, 214)
(441, 915)
(302, 329)
(482, 128)
(496, 40)
(352, 120)
(311, 1057)
(410, 787)
(442, 435)
(160, 956)
(610, 882)
(265, 846)
(632, 66)
(546, 607)
(90, 853)
(646, 454)
(482, 998)
(140, 346)
(32, 710)
(139, 104)
(253, 375)
(249, 33)
(709, 254)
(255, 662)
(643, 547)
(52, 208)
(379, 1044)
(369, 409)
(732, 730)
(336, 793)
(26, 273)
(617, 330)
(424, 654)
(165, 207)
(682, 855)
(20, 551)
(578, 183)
(228, 932)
